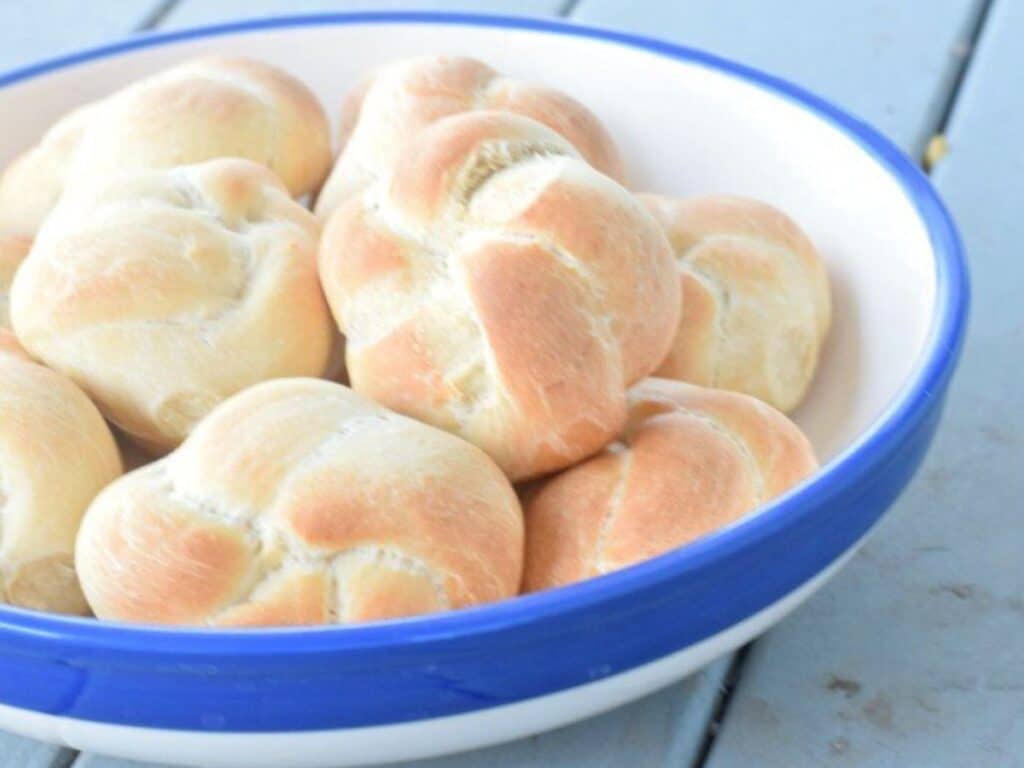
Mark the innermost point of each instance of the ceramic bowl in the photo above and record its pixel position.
(688, 123)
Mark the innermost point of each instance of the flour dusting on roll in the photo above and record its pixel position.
(689, 461)
(499, 287)
(299, 502)
(163, 292)
(392, 105)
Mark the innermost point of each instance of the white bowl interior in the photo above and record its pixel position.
(685, 129)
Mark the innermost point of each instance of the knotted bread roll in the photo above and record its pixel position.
(690, 460)
(202, 109)
(395, 103)
(499, 287)
(756, 303)
(34, 181)
(56, 453)
(299, 502)
(163, 292)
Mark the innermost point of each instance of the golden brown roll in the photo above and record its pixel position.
(499, 287)
(163, 292)
(56, 453)
(202, 109)
(756, 303)
(299, 502)
(392, 105)
(690, 460)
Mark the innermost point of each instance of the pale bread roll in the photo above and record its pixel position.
(199, 110)
(500, 288)
(33, 182)
(56, 453)
(392, 105)
(299, 502)
(163, 292)
(690, 461)
(756, 301)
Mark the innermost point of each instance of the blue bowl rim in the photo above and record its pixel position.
(853, 466)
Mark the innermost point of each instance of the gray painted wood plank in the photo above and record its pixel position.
(192, 12)
(913, 656)
(93, 760)
(16, 752)
(891, 63)
(35, 30)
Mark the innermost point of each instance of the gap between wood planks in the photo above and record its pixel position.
(156, 17)
(567, 8)
(961, 73)
(64, 759)
(928, 161)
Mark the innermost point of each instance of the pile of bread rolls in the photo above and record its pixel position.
(503, 299)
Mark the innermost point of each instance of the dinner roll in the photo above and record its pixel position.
(386, 109)
(56, 453)
(163, 292)
(200, 110)
(299, 502)
(33, 182)
(689, 461)
(499, 287)
(756, 303)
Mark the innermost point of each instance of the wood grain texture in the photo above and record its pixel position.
(191, 12)
(891, 63)
(913, 656)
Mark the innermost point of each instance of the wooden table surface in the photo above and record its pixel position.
(914, 655)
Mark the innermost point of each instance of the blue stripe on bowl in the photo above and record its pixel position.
(330, 677)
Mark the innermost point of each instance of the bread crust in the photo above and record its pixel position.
(389, 107)
(756, 299)
(56, 453)
(499, 287)
(201, 109)
(299, 502)
(689, 461)
(163, 292)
